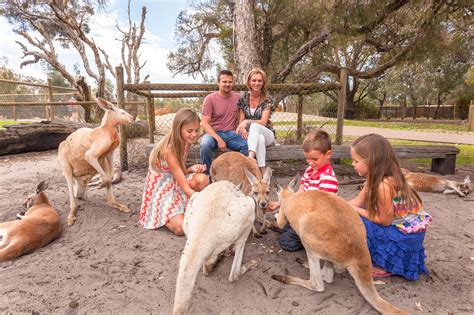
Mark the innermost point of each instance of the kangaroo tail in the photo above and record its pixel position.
(362, 274)
(191, 261)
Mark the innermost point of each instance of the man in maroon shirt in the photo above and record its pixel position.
(219, 120)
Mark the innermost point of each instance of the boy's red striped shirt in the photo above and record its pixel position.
(323, 179)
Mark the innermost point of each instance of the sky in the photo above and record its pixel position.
(159, 39)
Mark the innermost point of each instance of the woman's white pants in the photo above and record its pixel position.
(259, 137)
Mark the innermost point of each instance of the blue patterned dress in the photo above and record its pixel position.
(398, 248)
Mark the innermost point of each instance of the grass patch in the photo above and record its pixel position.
(408, 125)
(396, 125)
(8, 122)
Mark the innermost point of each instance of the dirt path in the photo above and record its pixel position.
(107, 263)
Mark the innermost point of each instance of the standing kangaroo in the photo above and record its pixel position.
(86, 152)
(217, 217)
(332, 231)
(431, 183)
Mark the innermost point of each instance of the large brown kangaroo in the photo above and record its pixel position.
(330, 230)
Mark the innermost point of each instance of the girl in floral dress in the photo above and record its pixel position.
(391, 210)
(169, 184)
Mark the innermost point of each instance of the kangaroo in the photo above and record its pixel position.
(236, 168)
(38, 227)
(86, 152)
(216, 218)
(431, 183)
(332, 231)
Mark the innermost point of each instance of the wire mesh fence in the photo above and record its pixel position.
(297, 111)
(27, 101)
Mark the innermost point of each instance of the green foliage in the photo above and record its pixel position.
(329, 110)
(366, 110)
(462, 104)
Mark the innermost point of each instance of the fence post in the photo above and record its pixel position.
(50, 99)
(121, 104)
(341, 106)
(46, 111)
(150, 108)
(471, 117)
(14, 113)
(299, 121)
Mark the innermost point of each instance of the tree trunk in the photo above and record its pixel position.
(404, 108)
(350, 94)
(36, 137)
(438, 103)
(245, 54)
(381, 102)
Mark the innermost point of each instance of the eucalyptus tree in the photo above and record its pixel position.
(47, 25)
(308, 41)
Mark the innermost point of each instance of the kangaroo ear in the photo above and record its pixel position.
(104, 104)
(294, 183)
(252, 179)
(467, 180)
(42, 186)
(267, 175)
(278, 186)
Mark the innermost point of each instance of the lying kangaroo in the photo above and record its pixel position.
(236, 168)
(332, 231)
(431, 183)
(39, 226)
(216, 218)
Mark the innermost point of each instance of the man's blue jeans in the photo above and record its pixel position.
(233, 141)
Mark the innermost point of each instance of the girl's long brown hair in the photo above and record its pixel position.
(172, 142)
(382, 162)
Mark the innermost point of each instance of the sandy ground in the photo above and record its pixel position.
(106, 263)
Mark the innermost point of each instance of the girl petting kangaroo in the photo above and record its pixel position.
(391, 210)
(169, 184)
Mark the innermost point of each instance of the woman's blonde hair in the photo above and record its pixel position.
(264, 78)
(381, 161)
(172, 142)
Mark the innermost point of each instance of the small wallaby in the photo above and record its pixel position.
(431, 183)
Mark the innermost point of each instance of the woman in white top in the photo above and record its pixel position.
(255, 108)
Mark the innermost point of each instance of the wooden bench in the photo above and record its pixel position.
(443, 158)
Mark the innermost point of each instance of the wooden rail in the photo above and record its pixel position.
(443, 157)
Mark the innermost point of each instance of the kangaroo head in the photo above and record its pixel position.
(113, 113)
(260, 187)
(283, 195)
(38, 197)
(466, 186)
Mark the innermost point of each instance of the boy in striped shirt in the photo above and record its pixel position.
(318, 176)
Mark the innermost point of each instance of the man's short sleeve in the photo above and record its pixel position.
(207, 106)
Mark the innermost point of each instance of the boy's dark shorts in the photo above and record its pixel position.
(289, 240)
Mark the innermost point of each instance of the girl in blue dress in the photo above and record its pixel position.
(391, 210)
